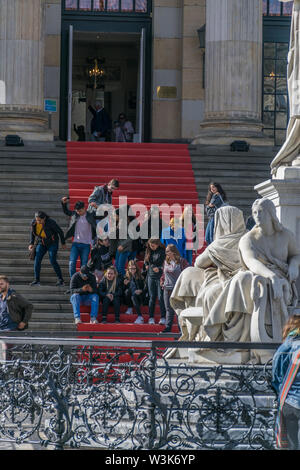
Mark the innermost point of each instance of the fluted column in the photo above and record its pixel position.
(22, 69)
(233, 68)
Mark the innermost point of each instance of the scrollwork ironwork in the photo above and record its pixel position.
(125, 398)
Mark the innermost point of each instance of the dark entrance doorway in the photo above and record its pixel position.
(105, 58)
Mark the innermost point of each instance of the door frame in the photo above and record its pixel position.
(105, 24)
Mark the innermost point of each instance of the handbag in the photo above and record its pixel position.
(32, 252)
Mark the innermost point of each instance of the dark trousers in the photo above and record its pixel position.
(41, 250)
(137, 303)
(155, 291)
(116, 304)
(169, 310)
(291, 417)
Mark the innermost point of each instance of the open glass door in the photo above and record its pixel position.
(70, 73)
(141, 89)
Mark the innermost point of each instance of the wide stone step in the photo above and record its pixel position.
(51, 326)
(20, 175)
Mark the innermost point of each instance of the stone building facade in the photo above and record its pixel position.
(182, 70)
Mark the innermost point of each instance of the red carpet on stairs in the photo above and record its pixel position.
(148, 174)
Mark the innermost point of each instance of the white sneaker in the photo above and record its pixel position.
(77, 320)
(94, 321)
(162, 321)
(129, 311)
(139, 321)
(151, 321)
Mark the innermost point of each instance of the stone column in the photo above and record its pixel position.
(233, 75)
(22, 70)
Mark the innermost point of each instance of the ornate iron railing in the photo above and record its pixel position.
(125, 395)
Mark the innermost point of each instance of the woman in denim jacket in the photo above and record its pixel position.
(286, 383)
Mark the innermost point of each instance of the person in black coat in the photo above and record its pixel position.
(45, 234)
(110, 292)
(153, 263)
(101, 258)
(100, 123)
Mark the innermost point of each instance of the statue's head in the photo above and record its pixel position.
(264, 211)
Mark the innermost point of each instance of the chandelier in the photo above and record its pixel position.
(96, 71)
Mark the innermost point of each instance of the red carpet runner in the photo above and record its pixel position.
(148, 174)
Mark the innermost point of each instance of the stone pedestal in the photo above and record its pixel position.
(284, 191)
(22, 70)
(233, 84)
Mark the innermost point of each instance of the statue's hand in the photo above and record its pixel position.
(293, 272)
(277, 287)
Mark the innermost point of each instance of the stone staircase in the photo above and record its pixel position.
(34, 178)
(237, 172)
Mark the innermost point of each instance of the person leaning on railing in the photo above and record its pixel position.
(286, 383)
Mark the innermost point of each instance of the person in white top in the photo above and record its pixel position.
(124, 129)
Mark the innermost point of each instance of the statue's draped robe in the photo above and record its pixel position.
(198, 287)
(291, 148)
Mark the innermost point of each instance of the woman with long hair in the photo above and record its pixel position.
(154, 260)
(110, 292)
(286, 383)
(215, 198)
(173, 266)
(136, 288)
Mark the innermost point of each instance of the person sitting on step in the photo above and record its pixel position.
(110, 292)
(100, 258)
(83, 289)
(136, 289)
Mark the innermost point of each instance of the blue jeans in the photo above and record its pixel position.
(81, 250)
(86, 299)
(209, 232)
(120, 261)
(41, 250)
(189, 256)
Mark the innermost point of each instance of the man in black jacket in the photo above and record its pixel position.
(100, 124)
(15, 311)
(83, 289)
(83, 228)
(45, 233)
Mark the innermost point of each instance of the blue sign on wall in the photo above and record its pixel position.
(50, 106)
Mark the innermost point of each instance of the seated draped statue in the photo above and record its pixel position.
(212, 270)
(269, 266)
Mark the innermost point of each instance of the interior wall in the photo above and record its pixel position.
(120, 89)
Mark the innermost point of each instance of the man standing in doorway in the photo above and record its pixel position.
(100, 123)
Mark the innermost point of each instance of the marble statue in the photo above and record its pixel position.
(212, 269)
(246, 292)
(290, 151)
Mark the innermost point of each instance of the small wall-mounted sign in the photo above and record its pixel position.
(167, 92)
(50, 106)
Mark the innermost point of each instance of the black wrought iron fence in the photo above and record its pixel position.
(115, 394)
